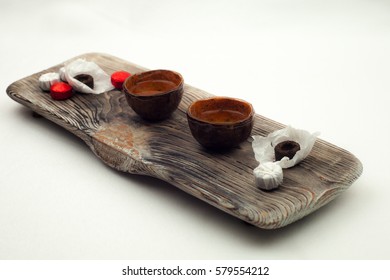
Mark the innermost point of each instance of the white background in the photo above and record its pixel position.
(316, 65)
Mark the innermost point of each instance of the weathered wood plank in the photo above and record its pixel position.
(166, 150)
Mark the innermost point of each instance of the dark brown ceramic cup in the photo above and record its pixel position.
(220, 122)
(154, 95)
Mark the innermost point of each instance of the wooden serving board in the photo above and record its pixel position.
(167, 150)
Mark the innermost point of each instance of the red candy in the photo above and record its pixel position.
(118, 78)
(61, 91)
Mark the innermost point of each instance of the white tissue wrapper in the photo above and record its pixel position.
(62, 74)
(268, 175)
(102, 81)
(263, 147)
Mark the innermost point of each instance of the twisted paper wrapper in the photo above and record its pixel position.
(269, 174)
(102, 81)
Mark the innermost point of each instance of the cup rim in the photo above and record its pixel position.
(127, 91)
(249, 117)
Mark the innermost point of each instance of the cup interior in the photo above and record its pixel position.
(155, 82)
(220, 110)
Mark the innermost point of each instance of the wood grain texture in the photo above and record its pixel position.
(166, 150)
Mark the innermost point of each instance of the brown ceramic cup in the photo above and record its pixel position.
(154, 95)
(220, 122)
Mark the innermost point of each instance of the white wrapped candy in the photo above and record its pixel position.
(268, 175)
(263, 147)
(102, 81)
(47, 80)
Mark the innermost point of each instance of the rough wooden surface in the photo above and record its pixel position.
(166, 150)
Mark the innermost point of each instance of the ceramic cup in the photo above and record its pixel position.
(220, 122)
(154, 95)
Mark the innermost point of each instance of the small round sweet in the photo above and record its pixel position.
(47, 80)
(268, 176)
(61, 91)
(85, 79)
(118, 78)
(286, 149)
